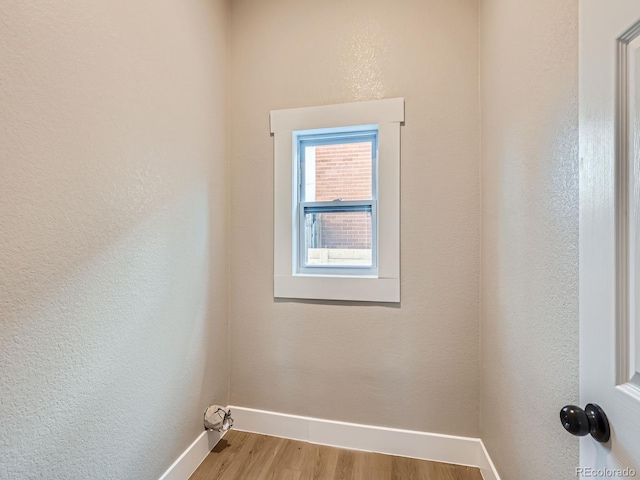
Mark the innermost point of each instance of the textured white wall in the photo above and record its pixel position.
(529, 327)
(113, 233)
(410, 366)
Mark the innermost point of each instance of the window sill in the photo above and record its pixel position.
(359, 289)
(332, 275)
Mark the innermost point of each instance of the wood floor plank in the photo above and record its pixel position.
(361, 464)
(345, 465)
(472, 473)
(222, 457)
(234, 469)
(382, 462)
(445, 471)
(403, 468)
(375, 474)
(249, 456)
(288, 474)
(264, 464)
(320, 462)
(291, 456)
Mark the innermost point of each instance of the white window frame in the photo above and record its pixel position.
(384, 286)
(333, 136)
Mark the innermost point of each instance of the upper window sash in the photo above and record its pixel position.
(322, 137)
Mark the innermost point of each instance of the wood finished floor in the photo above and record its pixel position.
(249, 456)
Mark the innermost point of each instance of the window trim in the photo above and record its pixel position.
(385, 287)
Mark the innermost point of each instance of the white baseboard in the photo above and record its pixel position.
(406, 443)
(487, 468)
(192, 457)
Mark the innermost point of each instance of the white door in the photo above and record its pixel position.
(610, 228)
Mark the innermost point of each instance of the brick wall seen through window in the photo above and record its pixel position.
(344, 171)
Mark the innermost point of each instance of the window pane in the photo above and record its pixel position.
(338, 238)
(342, 170)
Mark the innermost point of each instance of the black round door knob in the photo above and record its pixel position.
(574, 420)
(592, 420)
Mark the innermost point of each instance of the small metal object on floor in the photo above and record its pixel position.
(217, 418)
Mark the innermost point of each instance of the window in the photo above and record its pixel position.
(337, 201)
(336, 219)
